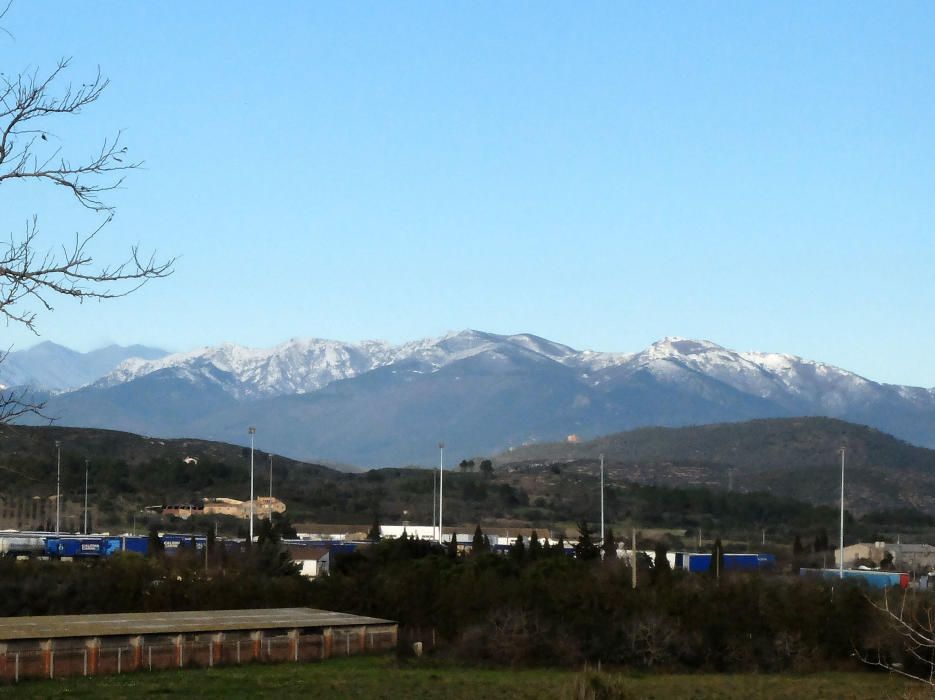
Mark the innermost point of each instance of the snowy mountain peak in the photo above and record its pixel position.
(305, 365)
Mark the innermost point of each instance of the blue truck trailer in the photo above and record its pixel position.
(866, 577)
(700, 562)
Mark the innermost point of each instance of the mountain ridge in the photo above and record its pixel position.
(378, 404)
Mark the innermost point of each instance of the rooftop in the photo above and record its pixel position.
(59, 626)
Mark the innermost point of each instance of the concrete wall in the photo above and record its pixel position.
(54, 658)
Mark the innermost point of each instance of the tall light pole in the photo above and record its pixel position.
(58, 486)
(434, 504)
(252, 432)
(602, 500)
(86, 496)
(841, 549)
(270, 505)
(441, 490)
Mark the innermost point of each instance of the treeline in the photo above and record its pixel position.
(261, 576)
(546, 608)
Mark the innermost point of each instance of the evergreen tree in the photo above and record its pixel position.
(797, 549)
(283, 527)
(586, 550)
(479, 543)
(518, 550)
(374, 534)
(610, 546)
(155, 547)
(486, 467)
(535, 547)
(661, 568)
(717, 558)
(210, 540)
(559, 548)
(886, 563)
(267, 533)
(452, 548)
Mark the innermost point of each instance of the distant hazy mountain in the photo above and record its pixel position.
(373, 403)
(48, 366)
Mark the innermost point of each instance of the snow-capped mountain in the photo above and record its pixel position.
(378, 403)
(304, 366)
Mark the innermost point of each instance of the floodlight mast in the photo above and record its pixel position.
(86, 462)
(602, 500)
(441, 490)
(252, 432)
(58, 486)
(841, 543)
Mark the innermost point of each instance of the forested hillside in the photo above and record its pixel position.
(793, 457)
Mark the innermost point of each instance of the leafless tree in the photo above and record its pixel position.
(33, 273)
(906, 645)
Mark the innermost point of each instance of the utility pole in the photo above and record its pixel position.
(252, 432)
(86, 497)
(58, 486)
(602, 500)
(441, 491)
(841, 550)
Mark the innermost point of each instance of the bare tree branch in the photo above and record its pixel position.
(914, 626)
(34, 275)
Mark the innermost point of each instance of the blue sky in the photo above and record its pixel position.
(602, 174)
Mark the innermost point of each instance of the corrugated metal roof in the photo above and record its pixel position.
(59, 626)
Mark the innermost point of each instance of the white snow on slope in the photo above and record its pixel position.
(302, 366)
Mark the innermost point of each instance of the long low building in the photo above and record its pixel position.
(61, 645)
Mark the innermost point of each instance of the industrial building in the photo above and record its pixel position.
(66, 645)
(263, 507)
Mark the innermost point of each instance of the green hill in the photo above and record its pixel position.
(785, 478)
(790, 457)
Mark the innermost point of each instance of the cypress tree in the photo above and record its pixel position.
(155, 547)
(717, 558)
(586, 550)
(535, 547)
(479, 543)
(374, 534)
(518, 550)
(661, 568)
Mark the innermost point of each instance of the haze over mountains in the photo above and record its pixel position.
(51, 367)
(377, 404)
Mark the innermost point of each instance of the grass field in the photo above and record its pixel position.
(373, 677)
